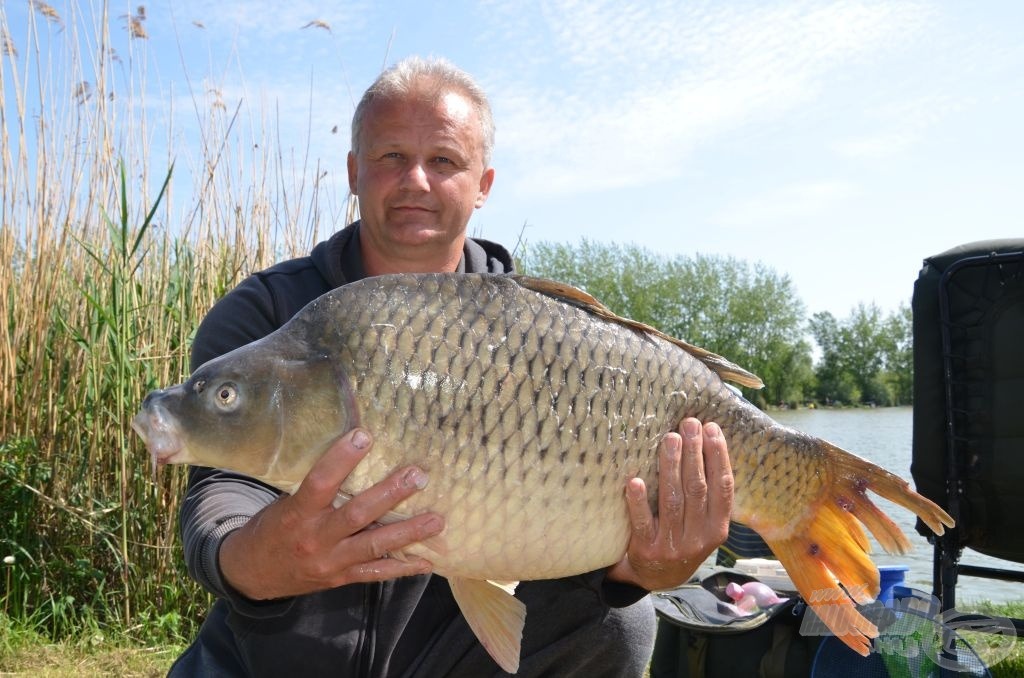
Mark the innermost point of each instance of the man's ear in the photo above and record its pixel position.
(486, 181)
(353, 171)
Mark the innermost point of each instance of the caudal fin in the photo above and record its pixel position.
(858, 475)
(826, 552)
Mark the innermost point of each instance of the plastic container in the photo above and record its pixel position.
(759, 567)
(890, 576)
(767, 571)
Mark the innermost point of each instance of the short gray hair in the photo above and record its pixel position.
(405, 76)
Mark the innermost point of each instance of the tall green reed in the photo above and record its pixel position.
(117, 314)
(103, 281)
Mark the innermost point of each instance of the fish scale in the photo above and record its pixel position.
(530, 405)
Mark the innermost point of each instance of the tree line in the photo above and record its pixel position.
(748, 313)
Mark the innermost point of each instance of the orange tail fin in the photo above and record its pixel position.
(856, 476)
(832, 549)
(825, 554)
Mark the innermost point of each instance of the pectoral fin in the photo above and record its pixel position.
(495, 616)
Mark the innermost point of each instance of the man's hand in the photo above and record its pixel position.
(695, 491)
(301, 543)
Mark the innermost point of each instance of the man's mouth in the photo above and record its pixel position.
(415, 208)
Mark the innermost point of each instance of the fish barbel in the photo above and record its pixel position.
(530, 405)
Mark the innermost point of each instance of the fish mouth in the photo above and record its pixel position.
(160, 433)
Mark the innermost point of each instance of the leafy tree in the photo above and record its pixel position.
(834, 384)
(866, 358)
(899, 354)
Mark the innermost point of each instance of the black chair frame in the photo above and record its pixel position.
(949, 547)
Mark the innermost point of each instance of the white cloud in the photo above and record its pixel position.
(634, 89)
(902, 123)
(875, 146)
(791, 206)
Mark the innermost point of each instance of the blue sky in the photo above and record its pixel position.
(839, 142)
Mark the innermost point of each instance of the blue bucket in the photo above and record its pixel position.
(890, 576)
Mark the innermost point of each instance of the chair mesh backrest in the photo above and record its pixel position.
(976, 293)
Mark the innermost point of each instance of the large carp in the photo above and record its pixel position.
(530, 405)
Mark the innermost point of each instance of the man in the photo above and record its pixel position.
(307, 589)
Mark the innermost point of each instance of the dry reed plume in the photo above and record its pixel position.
(46, 11)
(6, 44)
(135, 23)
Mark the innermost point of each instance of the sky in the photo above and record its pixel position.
(838, 142)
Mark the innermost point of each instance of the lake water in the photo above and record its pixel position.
(884, 436)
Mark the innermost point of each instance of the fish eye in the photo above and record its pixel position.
(226, 396)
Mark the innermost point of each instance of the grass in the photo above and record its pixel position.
(24, 652)
(1004, 656)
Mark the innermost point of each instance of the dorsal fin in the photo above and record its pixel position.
(568, 294)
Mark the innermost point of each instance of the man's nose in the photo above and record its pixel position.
(415, 177)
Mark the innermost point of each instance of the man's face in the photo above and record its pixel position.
(419, 174)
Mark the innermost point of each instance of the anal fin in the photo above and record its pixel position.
(495, 615)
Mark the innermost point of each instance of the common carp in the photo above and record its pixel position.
(529, 404)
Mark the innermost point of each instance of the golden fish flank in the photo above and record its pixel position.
(530, 405)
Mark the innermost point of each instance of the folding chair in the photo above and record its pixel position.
(968, 421)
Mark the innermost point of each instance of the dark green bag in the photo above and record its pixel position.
(698, 638)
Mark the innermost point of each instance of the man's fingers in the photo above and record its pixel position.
(641, 520)
(386, 568)
(672, 504)
(371, 504)
(321, 484)
(694, 478)
(379, 543)
(721, 483)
